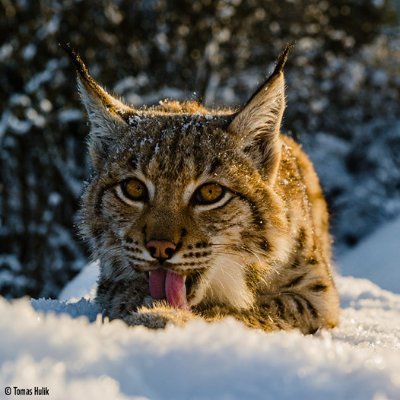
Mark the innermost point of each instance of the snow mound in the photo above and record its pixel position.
(83, 285)
(53, 344)
(377, 258)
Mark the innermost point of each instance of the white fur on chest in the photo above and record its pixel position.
(227, 284)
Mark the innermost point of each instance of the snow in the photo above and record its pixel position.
(42, 77)
(377, 257)
(69, 348)
(360, 179)
(83, 286)
(224, 360)
(69, 115)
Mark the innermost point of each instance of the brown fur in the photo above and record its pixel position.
(261, 254)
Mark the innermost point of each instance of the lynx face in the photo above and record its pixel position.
(185, 182)
(214, 212)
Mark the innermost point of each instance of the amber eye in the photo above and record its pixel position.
(134, 189)
(209, 193)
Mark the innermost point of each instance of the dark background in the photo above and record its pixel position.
(343, 87)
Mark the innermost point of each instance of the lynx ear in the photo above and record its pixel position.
(106, 113)
(258, 123)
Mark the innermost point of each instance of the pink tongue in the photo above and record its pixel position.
(166, 284)
(176, 290)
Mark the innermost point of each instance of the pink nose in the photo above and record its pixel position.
(161, 249)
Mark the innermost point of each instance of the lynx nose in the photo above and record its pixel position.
(161, 249)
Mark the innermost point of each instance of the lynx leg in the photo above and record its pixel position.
(307, 312)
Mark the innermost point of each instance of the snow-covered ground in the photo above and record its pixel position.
(66, 347)
(377, 258)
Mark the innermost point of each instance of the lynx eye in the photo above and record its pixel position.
(209, 193)
(134, 189)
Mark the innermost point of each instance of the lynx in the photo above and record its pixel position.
(198, 213)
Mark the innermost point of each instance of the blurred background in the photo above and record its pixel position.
(343, 87)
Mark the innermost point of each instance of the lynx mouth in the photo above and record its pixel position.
(175, 288)
(165, 284)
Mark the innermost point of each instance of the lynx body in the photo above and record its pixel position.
(196, 213)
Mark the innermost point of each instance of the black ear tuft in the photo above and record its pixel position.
(80, 66)
(107, 114)
(280, 63)
(279, 66)
(257, 124)
(76, 60)
(95, 98)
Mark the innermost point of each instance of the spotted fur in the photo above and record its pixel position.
(262, 254)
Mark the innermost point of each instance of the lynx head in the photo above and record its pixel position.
(184, 194)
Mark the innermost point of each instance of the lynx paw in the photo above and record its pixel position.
(158, 317)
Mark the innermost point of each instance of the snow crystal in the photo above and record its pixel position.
(5, 51)
(353, 77)
(17, 125)
(187, 125)
(37, 119)
(284, 182)
(10, 272)
(42, 77)
(52, 26)
(125, 84)
(113, 14)
(162, 42)
(54, 199)
(134, 120)
(20, 100)
(319, 105)
(80, 308)
(378, 3)
(380, 77)
(70, 115)
(164, 93)
(46, 105)
(82, 286)
(11, 261)
(29, 51)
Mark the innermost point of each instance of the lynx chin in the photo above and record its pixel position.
(198, 213)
